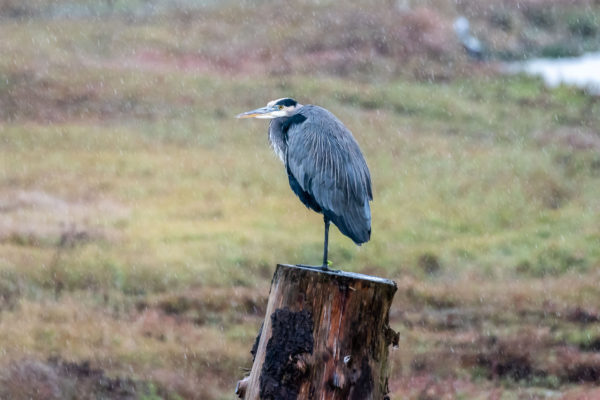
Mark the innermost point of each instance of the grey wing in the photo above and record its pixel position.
(328, 166)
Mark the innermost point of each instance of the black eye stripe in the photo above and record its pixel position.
(286, 102)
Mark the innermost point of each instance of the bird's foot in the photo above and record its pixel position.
(324, 267)
(309, 266)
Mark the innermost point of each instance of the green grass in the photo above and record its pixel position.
(201, 191)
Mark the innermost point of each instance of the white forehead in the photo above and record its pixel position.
(273, 102)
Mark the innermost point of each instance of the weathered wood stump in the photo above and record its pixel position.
(325, 336)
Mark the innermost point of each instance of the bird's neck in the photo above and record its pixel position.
(277, 137)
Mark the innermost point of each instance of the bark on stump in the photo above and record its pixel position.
(325, 335)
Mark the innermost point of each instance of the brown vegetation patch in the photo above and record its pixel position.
(209, 305)
(36, 96)
(450, 319)
(548, 189)
(584, 372)
(507, 357)
(533, 355)
(592, 345)
(572, 138)
(165, 61)
(34, 217)
(190, 385)
(354, 41)
(428, 387)
(578, 367)
(59, 379)
(439, 301)
(429, 263)
(582, 316)
(11, 290)
(337, 42)
(26, 95)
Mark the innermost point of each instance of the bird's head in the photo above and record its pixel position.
(275, 109)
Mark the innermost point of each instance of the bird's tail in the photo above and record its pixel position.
(356, 224)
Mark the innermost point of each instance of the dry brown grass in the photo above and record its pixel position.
(194, 342)
(34, 217)
(174, 352)
(59, 380)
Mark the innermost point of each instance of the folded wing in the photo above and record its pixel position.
(328, 172)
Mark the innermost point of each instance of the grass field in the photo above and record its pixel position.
(140, 222)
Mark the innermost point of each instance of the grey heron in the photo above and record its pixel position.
(324, 164)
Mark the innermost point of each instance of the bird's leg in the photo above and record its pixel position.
(325, 245)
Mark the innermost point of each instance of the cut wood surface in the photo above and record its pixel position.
(325, 335)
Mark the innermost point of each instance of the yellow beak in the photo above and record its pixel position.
(262, 112)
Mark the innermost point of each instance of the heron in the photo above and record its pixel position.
(324, 165)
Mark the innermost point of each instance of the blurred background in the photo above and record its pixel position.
(140, 222)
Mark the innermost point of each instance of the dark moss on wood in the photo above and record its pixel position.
(281, 375)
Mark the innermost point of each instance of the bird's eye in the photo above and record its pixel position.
(280, 107)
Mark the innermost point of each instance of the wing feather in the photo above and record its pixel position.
(328, 166)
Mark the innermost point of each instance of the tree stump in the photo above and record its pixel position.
(325, 336)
